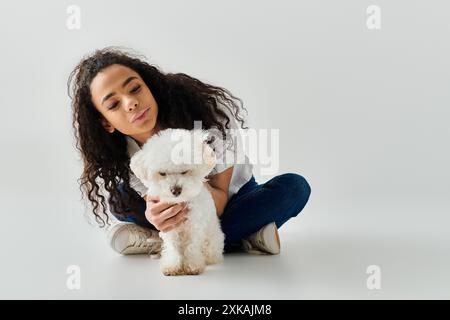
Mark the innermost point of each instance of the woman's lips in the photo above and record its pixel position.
(143, 116)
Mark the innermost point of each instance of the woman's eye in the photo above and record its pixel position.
(184, 172)
(162, 174)
(136, 89)
(113, 106)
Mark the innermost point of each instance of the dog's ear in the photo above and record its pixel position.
(212, 138)
(201, 136)
(208, 138)
(208, 161)
(137, 165)
(203, 144)
(204, 169)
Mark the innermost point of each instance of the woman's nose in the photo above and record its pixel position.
(131, 104)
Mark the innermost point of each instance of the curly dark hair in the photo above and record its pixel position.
(181, 100)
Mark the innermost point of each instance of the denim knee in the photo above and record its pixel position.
(295, 188)
(294, 184)
(299, 185)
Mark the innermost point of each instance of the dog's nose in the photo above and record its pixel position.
(176, 190)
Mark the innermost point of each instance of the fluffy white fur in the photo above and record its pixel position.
(177, 161)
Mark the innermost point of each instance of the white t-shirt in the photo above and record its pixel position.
(227, 156)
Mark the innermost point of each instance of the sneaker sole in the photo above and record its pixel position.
(272, 238)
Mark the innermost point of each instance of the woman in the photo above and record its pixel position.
(119, 101)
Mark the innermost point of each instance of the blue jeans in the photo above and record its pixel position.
(252, 207)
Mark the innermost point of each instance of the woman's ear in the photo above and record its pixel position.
(108, 127)
(137, 165)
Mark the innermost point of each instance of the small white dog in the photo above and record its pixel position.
(173, 165)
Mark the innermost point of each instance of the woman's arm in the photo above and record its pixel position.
(218, 185)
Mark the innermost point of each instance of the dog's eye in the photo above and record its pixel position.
(163, 174)
(184, 172)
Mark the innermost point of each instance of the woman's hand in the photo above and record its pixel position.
(165, 216)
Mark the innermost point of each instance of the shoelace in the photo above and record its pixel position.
(249, 246)
(141, 239)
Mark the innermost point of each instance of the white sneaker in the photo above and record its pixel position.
(264, 241)
(129, 238)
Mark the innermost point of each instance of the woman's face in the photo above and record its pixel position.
(121, 96)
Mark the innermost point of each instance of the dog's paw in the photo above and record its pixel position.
(194, 269)
(172, 271)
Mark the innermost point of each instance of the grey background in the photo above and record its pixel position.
(363, 116)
